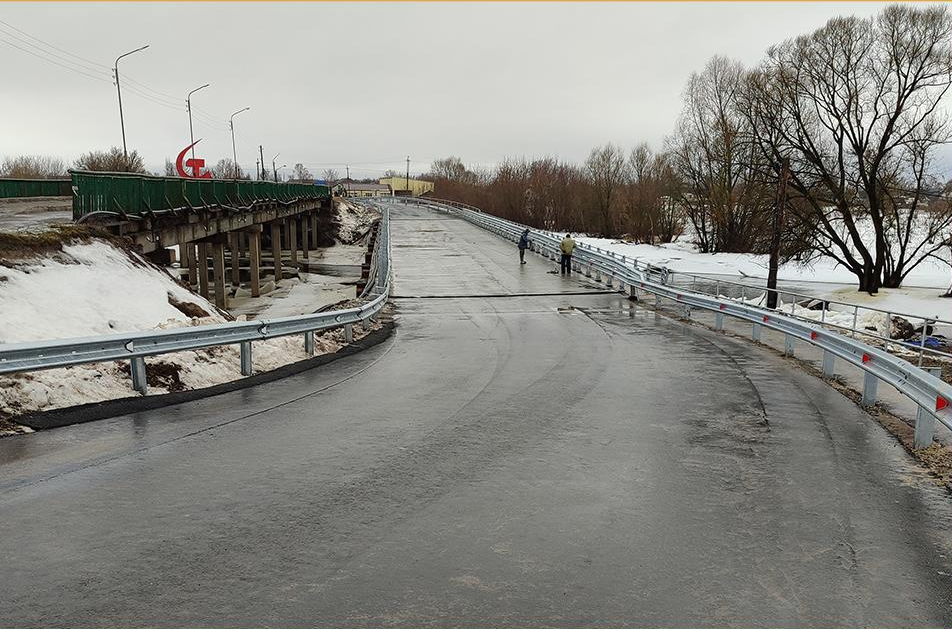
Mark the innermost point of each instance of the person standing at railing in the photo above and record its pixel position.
(523, 245)
(568, 247)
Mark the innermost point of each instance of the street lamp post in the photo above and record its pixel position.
(122, 122)
(273, 168)
(188, 106)
(234, 149)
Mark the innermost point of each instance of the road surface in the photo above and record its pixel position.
(526, 450)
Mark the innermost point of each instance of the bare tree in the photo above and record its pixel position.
(652, 211)
(300, 173)
(112, 160)
(607, 172)
(728, 192)
(170, 170)
(330, 175)
(855, 106)
(32, 167)
(225, 169)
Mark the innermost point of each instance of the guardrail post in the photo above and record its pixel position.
(608, 281)
(349, 333)
(788, 342)
(588, 270)
(137, 369)
(755, 332)
(828, 361)
(870, 383)
(719, 321)
(925, 420)
(598, 275)
(246, 367)
(309, 342)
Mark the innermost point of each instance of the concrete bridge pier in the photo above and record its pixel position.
(234, 245)
(254, 256)
(202, 269)
(276, 248)
(293, 240)
(218, 266)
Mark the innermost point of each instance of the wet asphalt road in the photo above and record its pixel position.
(549, 459)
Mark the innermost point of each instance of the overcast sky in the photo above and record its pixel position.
(370, 83)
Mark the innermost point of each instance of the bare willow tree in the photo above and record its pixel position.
(856, 107)
(330, 175)
(32, 167)
(113, 160)
(300, 173)
(652, 211)
(607, 171)
(726, 195)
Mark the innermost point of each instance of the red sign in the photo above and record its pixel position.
(195, 164)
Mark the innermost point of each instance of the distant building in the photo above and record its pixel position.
(417, 188)
(355, 189)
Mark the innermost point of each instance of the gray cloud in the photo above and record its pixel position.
(369, 83)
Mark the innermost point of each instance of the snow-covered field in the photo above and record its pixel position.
(919, 295)
(94, 288)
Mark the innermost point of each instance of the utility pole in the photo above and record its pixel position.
(408, 175)
(257, 170)
(777, 227)
(122, 122)
(275, 168)
(234, 149)
(188, 106)
(261, 152)
(348, 178)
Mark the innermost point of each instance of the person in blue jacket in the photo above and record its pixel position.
(523, 245)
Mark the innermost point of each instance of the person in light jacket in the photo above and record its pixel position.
(523, 245)
(568, 247)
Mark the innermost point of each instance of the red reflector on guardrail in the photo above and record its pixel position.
(723, 306)
(941, 403)
(766, 318)
(813, 336)
(866, 357)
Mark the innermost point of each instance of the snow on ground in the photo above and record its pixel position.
(88, 289)
(355, 219)
(94, 288)
(681, 257)
(295, 296)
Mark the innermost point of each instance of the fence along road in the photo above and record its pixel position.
(517, 454)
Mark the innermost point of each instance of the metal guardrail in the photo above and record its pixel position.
(932, 396)
(12, 188)
(135, 347)
(135, 195)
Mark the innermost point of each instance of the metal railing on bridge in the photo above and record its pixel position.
(12, 188)
(131, 195)
(932, 396)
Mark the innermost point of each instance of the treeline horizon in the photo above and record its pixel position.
(851, 116)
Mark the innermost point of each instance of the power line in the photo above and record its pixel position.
(96, 65)
(54, 62)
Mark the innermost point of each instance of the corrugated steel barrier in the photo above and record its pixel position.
(16, 188)
(135, 196)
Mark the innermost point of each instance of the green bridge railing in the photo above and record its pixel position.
(15, 188)
(134, 195)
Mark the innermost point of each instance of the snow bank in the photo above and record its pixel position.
(355, 219)
(94, 289)
(86, 290)
(681, 257)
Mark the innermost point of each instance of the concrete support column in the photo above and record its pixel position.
(305, 229)
(191, 259)
(254, 253)
(202, 264)
(218, 264)
(292, 240)
(313, 218)
(276, 249)
(234, 243)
